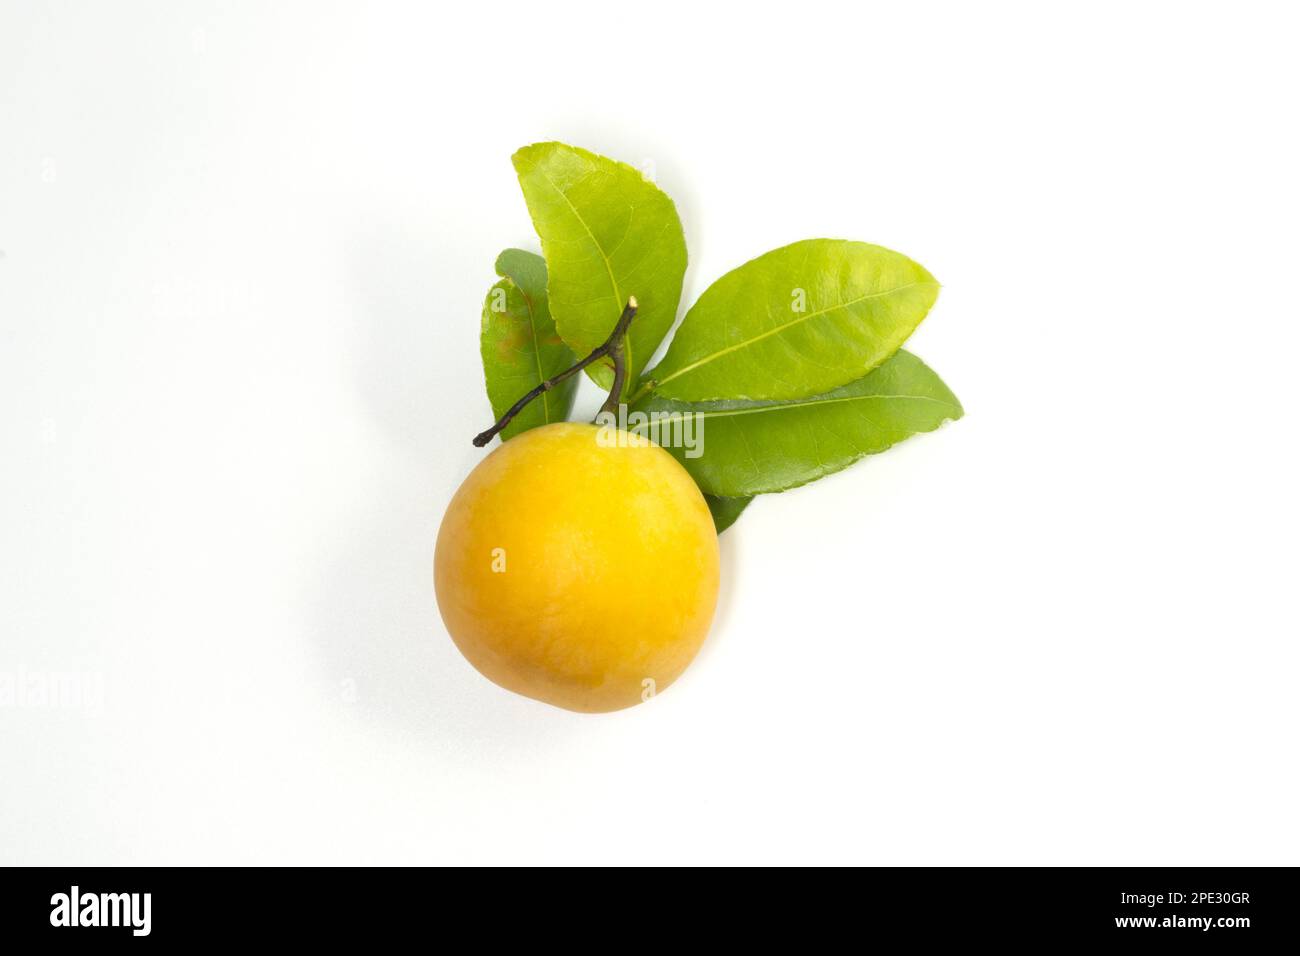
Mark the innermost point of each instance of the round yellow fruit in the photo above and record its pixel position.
(579, 566)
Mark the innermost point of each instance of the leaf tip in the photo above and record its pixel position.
(528, 155)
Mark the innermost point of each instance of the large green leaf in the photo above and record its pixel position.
(608, 234)
(797, 321)
(749, 448)
(520, 347)
(725, 511)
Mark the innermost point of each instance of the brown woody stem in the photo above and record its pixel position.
(611, 347)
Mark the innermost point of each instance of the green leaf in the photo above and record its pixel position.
(607, 233)
(520, 347)
(797, 321)
(750, 448)
(726, 510)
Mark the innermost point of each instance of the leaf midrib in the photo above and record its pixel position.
(537, 352)
(781, 328)
(609, 266)
(788, 406)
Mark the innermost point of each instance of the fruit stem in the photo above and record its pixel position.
(612, 348)
(616, 343)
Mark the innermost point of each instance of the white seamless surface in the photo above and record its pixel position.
(244, 252)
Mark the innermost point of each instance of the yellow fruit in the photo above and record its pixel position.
(578, 570)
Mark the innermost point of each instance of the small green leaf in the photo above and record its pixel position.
(607, 233)
(726, 510)
(520, 347)
(797, 321)
(750, 448)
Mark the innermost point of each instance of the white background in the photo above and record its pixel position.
(245, 249)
